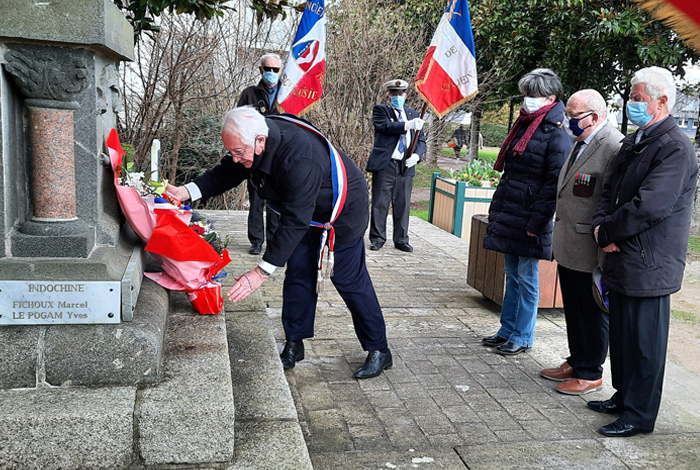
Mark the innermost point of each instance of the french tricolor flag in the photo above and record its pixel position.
(302, 84)
(447, 77)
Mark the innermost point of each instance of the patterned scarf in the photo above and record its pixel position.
(532, 120)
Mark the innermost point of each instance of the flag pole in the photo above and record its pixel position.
(404, 169)
(415, 141)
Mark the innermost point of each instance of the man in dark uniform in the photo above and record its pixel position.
(264, 97)
(392, 165)
(291, 164)
(642, 223)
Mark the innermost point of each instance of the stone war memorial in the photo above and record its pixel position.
(82, 333)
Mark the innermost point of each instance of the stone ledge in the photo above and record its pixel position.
(189, 417)
(127, 353)
(79, 22)
(60, 428)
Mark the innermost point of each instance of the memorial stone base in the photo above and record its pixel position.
(65, 352)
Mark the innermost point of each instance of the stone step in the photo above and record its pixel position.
(268, 433)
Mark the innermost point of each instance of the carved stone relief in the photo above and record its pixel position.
(41, 73)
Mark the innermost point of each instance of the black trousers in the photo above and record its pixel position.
(586, 324)
(638, 342)
(256, 227)
(389, 186)
(352, 282)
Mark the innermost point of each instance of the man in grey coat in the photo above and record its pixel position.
(576, 251)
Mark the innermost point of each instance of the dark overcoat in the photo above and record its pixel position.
(645, 209)
(294, 175)
(258, 97)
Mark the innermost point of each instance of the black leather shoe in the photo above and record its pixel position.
(511, 349)
(375, 363)
(606, 406)
(620, 429)
(255, 249)
(293, 351)
(376, 246)
(493, 341)
(404, 247)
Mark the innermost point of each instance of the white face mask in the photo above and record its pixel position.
(533, 104)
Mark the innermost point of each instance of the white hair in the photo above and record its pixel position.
(593, 100)
(246, 123)
(269, 55)
(659, 82)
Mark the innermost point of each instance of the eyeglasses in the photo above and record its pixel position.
(576, 115)
(238, 153)
(270, 69)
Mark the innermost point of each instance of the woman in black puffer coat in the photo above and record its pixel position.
(520, 216)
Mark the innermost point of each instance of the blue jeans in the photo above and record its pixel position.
(519, 311)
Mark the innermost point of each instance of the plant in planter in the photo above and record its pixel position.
(478, 173)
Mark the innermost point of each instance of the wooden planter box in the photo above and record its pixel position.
(485, 271)
(453, 203)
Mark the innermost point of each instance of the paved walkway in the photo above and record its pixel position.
(448, 402)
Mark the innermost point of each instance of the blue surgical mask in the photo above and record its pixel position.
(533, 104)
(574, 125)
(397, 102)
(271, 78)
(637, 113)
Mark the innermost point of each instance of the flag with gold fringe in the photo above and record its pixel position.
(681, 15)
(447, 76)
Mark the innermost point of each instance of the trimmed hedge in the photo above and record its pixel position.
(494, 134)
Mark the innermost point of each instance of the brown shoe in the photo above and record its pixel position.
(558, 374)
(580, 386)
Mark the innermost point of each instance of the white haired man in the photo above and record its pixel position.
(264, 97)
(642, 223)
(300, 173)
(576, 251)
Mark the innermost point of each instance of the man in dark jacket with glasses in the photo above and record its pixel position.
(264, 97)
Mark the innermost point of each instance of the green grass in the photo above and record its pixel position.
(424, 175)
(694, 248)
(423, 214)
(681, 315)
(487, 155)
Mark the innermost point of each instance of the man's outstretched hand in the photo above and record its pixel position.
(245, 285)
(179, 192)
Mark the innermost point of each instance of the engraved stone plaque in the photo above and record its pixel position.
(59, 302)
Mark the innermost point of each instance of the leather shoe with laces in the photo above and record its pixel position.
(620, 429)
(375, 363)
(404, 247)
(376, 246)
(605, 406)
(558, 374)
(293, 351)
(511, 349)
(255, 249)
(579, 386)
(493, 341)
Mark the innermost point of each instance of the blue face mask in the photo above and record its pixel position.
(575, 128)
(637, 113)
(271, 78)
(397, 102)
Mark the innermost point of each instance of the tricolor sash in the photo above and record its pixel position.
(339, 180)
